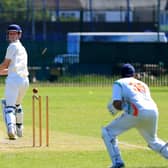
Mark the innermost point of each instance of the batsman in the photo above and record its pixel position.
(133, 97)
(15, 67)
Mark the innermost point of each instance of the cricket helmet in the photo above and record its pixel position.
(127, 70)
(14, 27)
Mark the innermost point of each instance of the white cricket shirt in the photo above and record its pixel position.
(18, 56)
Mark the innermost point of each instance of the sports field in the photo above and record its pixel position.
(76, 117)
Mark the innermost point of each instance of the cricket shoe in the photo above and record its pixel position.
(19, 130)
(12, 133)
(118, 165)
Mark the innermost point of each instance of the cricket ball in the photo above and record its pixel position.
(35, 90)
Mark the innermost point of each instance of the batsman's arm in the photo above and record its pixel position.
(4, 67)
(3, 72)
(5, 64)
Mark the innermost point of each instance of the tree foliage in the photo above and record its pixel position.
(13, 10)
(11, 5)
(21, 10)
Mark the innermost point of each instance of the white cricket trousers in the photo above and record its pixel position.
(15, 90)
(146, 123)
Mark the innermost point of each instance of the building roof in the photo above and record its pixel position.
(96, 4)
(54, 4)
(112, 4)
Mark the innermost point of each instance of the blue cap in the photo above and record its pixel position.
(127, 70)
(14, 27)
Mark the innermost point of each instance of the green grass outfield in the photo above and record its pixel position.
(76, 117)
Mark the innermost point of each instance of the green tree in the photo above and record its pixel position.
(21, 10)
(13, 10)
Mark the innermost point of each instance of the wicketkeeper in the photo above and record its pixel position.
(133, 97)
(14, 66)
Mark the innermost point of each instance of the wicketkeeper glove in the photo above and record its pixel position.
(111, 108)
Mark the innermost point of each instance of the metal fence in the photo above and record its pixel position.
(98, 75)
(99, 64)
